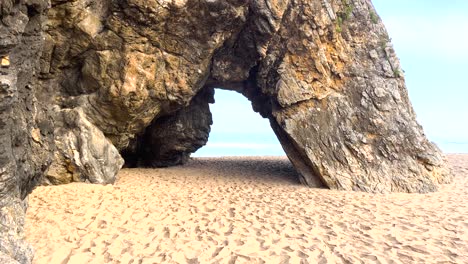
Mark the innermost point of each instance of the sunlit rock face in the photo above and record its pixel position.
(323, 72)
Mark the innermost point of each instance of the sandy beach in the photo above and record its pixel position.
(244, 210)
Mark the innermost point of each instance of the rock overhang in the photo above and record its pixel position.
(135, 78)
(324, 75)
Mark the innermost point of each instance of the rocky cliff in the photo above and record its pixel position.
(130, 81)
(26, 130)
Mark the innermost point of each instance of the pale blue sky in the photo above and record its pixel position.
(431, 39)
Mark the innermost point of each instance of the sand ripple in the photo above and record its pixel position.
(249, 210)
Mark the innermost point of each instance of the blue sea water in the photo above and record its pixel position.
(260, 145)
(453, 147)
(238, 144)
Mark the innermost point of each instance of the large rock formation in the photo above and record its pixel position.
(134, 77)
(25, 126)
(323, 72)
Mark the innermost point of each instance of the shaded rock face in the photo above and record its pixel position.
(26, 141)
(170, 140)
(323, 72)
(82, 153)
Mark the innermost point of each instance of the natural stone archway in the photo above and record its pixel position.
(105, 75)
(323, 73)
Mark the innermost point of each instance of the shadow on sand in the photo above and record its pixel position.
(260, 169)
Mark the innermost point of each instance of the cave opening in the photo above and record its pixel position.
(218, 126)
(242, 143)
(237, 130)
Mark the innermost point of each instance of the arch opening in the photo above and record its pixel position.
(237, 130)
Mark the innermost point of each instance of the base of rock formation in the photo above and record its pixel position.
(13, 248)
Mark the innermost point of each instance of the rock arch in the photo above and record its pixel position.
(81, 81)
(137, 76)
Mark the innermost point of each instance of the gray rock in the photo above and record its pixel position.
(84, 150)
(26, 140)
(171, 139)
(13, 248)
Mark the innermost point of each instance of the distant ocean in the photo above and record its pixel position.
(241, 145)
(267, 145)
(453, 147)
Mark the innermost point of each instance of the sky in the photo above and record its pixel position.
(431, 40)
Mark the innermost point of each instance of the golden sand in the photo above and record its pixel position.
(244, 210)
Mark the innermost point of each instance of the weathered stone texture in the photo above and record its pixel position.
(135, 77)
(323, 72)
(83, 153)
(170, 140)
(341, 99)
(25, 127)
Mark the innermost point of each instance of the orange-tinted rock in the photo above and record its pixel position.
(324, 73)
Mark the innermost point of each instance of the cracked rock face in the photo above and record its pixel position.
(26, 141)
(84, 81)
(170, 140)
(323, 72)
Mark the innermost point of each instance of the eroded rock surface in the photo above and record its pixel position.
(135, 77)
(170, 140)
(323, 72)
(25, 127)
(82, 153)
